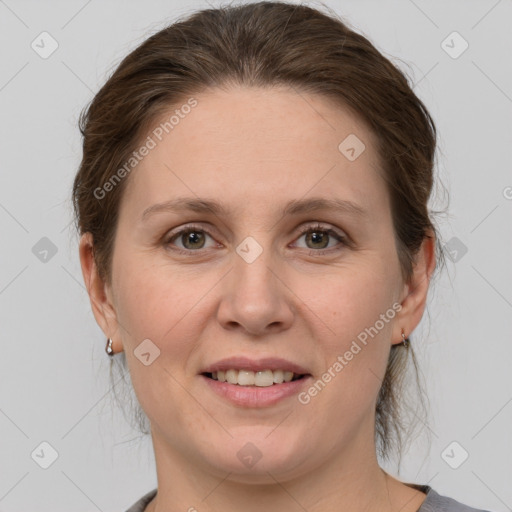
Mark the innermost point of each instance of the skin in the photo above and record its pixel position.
(254, 150)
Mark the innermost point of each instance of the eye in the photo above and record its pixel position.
(192, 237)
(318, 236)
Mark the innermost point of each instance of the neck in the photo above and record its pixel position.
(351, 480)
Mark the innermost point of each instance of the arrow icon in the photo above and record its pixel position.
(44, 250)
(146, 352)
(44, 455)
(351, 147)
(44, 45)
(454, 45)
(249, 252)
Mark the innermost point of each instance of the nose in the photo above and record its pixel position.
(255, 298)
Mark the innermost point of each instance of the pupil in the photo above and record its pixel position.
(316, 236)
(192, 237)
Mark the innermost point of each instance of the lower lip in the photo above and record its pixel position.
(255, 396)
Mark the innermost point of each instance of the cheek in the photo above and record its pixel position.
(354, 300)
(354, 357)
(147, 294)
(163, 304)
(359, 314)
(155, 304)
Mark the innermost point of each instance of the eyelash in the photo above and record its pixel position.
(304, 230)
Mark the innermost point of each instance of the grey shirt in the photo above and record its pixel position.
(434, 502)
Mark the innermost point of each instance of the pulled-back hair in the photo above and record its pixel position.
(267, 44)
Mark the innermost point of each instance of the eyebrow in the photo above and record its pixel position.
(294, 207)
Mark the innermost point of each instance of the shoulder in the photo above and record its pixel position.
(141, 504)
(435, 502)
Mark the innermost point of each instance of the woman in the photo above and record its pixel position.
(268, 359)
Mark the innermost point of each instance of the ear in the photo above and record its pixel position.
(99, 293)
(415, 291)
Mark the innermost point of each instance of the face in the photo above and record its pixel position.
(307, 286)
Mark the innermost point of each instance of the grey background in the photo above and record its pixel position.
(54, 371)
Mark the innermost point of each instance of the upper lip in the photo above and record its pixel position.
(255, 365)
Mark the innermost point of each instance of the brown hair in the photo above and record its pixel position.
(264, 44)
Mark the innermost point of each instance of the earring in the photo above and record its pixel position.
(108, 349)
(406, 342)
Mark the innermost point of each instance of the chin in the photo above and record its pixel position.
(257, 456)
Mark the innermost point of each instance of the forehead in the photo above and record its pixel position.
(258, 146)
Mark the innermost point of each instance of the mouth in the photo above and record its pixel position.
(249, 378)
(249, 389)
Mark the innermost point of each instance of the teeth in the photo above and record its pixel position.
(263, 378)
